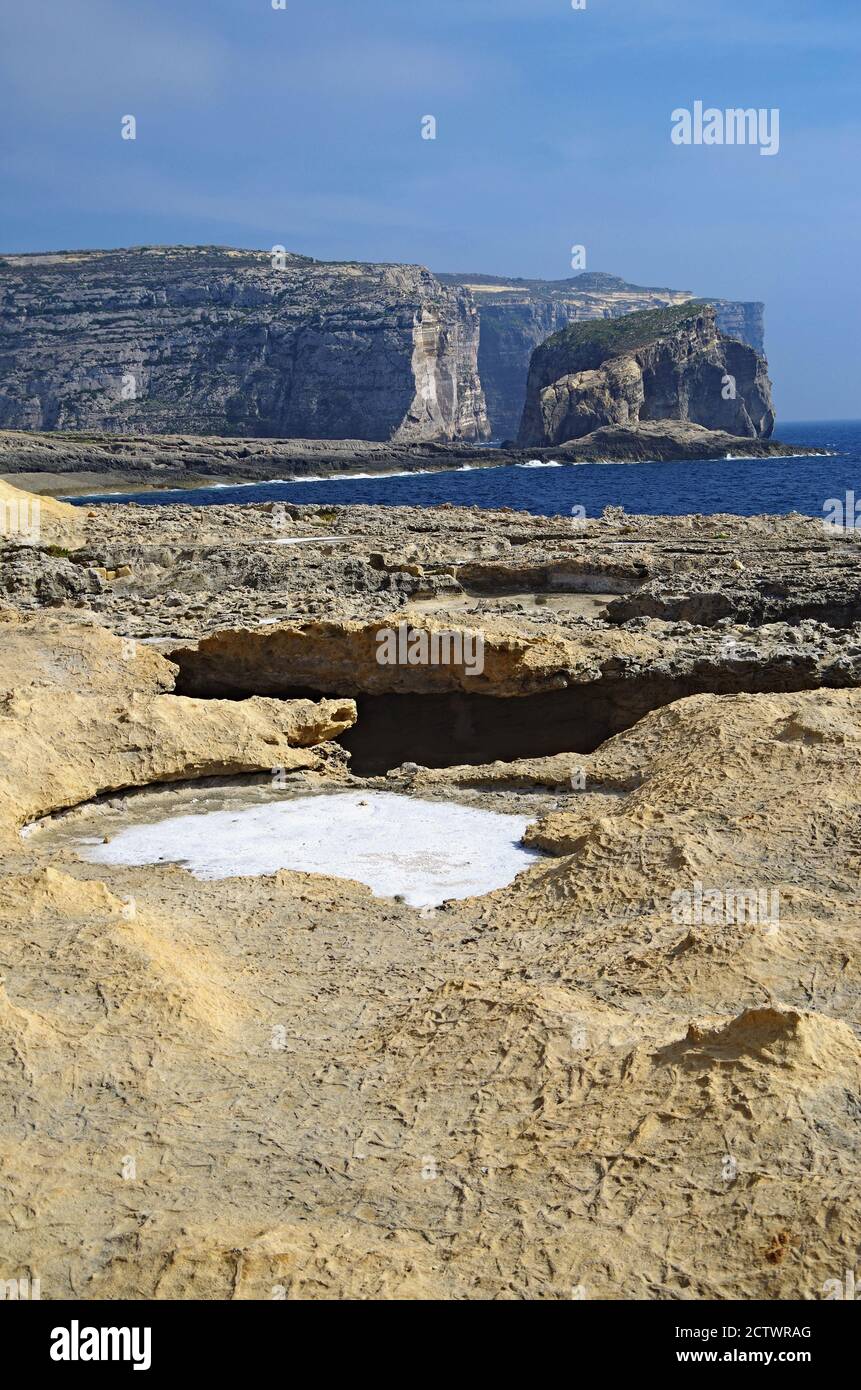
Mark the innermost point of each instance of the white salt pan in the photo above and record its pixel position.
(426, 851)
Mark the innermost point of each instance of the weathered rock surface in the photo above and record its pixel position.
(561, 1046)
(664, 364)
(663, 441)
(518, 315)
(558, 1088)
(183, 572)
(585, 627)
(344, 656)
(208, 340)
(26, 519)
(82, 713)
(559, 689)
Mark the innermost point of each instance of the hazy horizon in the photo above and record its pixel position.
(302, 127)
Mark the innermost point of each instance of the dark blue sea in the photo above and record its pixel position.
(744, 486)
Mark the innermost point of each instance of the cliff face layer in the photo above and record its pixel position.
(666, 364)
(208, 340)
(518, 315)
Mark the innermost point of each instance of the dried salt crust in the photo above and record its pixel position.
(422, 851)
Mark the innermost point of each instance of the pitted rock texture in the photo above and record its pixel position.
(208, 340)
(513, 1097)
(184, 571)
(665, 364)
(83, 712)
(526, 1095)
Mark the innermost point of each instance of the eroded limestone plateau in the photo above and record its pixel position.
(565, 1084)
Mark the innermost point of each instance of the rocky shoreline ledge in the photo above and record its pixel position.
(565, 1083)
(80, 463)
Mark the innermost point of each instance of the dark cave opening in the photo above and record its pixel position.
(453, 728)
(447, 730)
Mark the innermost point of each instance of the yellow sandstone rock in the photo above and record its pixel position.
(38, 520)
(83, 712)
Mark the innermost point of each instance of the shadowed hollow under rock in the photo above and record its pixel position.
(535, 696)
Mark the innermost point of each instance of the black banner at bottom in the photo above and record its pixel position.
(153, 1338)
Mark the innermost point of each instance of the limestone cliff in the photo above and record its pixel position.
(208, 340)
(665, 364)
(518, 315)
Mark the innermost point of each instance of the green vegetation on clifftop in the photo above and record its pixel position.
(610, 337)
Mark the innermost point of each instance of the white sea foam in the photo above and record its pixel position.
(368, 477)
(772, 458)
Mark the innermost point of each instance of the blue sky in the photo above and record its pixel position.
(302, 127)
